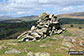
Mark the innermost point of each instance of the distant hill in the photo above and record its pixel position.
(77, 15)
(4, 18)
(28, 18)
(21, 19)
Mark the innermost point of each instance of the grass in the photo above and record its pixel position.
(3, 50)
(34, 46)
(66, 33)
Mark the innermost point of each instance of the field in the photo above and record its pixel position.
(56, 45)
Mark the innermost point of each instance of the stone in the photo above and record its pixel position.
(43, 15)
(59, 31)
(30, 54)
(44, 54)
(32, 28)
(12, 43)
(37, 54)
(73, 40)
(81, 43)
(68, 44)
(56, 22)
(29, 36)
(42, 46)
(63, 29)
(36, 34)
(1, 47)
(46, 26)
(51, 15)
(12, 51)
(65, 48)
(27, 40)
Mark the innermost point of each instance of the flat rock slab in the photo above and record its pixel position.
(12, 51)
(38, 54)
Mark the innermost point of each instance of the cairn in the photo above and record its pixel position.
(46, 26)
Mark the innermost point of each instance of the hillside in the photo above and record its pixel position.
(55, 45)
(10, 30)
(77, 15)
(4, 18)
(19, 19)
(28, 18)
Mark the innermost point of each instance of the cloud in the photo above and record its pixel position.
(67, 9)
(1, 14)
(80, 6)
(33, 6)
(20, 12)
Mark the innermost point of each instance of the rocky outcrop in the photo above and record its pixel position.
(47, 25)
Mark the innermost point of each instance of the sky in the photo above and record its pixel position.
(19, 8)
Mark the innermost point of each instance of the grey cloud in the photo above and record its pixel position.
(21, 4)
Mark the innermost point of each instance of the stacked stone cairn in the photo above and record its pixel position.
(47, 25)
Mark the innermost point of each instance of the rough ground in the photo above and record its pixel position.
(55, 45)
